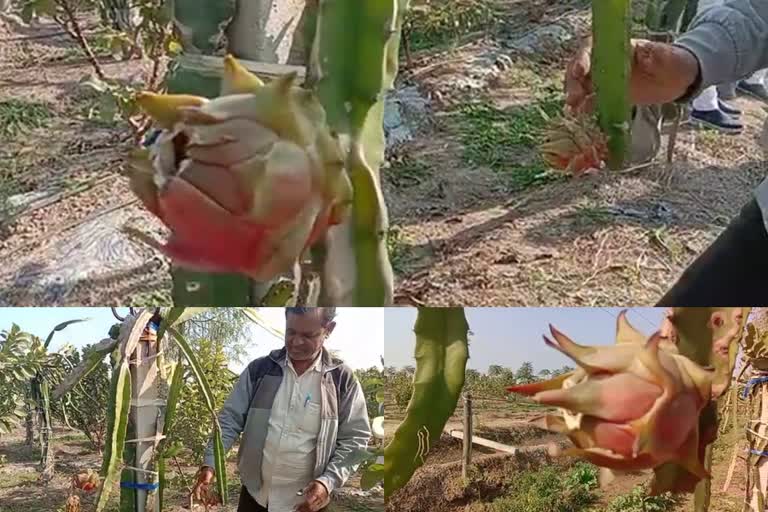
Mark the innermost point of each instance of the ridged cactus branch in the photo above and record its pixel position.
(353, 64)
(710, 337)
(611, 27)
(441, 357)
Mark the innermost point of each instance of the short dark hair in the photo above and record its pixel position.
(327, 314)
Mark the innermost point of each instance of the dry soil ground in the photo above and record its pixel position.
(438, 486)
(476, 220)
(21, 491)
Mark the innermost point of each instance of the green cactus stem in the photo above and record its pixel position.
(611, 26)
(353, 63)
(441, 357)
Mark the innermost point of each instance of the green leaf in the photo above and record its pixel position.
(354, 62)
(117, 423)
(256, 317)
(161, 480)
(61, 327)
(176, 316)
(380, 396)
(174, 392)
(91, 360)
(372, 476)
(196, 368)
(205, 390)
(220, 460)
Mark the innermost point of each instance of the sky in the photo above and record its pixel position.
(359, 333)
(511, 336)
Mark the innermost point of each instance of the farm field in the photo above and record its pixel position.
(534, 481)
(62, 448)
(476, 217)
(20, 490)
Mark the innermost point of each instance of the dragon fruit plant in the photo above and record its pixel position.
(253, 181)
(137, 444)
(579, 142)
(645, 403)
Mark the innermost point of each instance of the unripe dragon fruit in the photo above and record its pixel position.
(627, 407)
(246, 181)
(574, 145)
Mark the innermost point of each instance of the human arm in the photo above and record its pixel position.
(722, 44)
(729, 42)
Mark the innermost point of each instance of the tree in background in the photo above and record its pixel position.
(187, 429)
(372, 381)
(525, 373)
(85, 407)
(229, 328)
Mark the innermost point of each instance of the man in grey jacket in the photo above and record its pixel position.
(303, 420)
(723, 44)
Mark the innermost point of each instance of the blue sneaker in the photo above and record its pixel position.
(728, 109)
(717, 120)
(757, 91)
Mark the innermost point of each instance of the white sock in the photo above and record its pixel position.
(707, 100)
(756, 77)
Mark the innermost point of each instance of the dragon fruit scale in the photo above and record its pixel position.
(630, 406)
(245, 182)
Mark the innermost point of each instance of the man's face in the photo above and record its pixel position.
(305, 334)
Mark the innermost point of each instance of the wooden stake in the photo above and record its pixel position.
(467, 458)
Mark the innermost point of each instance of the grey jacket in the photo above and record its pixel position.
(731, 42)
(344, 427)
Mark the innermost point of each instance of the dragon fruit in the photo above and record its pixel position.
(86, 481)
(574, 145)
(627, 407)
(245, 182)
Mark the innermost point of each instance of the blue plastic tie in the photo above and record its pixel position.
(752, 382)
(758, 452)
(141, 487)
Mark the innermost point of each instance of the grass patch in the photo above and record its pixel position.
(9, 187)
(396, 246)
(589, 212)
(17, 116)
(440, 23)
(639, 501)
(505, 140)
(664, 241)
(546, 490)
(405, 171)
(18, 479)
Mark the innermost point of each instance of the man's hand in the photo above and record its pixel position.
(315, 498)
(202, 491)
(661, 73)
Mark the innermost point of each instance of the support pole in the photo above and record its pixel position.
(467, 458)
